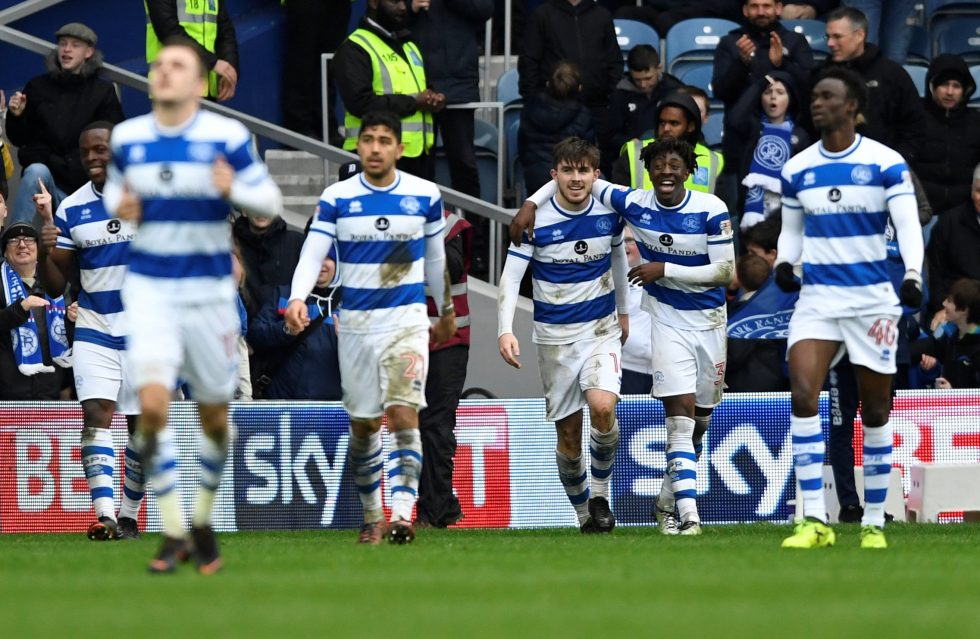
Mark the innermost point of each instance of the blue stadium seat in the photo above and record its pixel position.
(713, 131)
(918, 75)
(937, 10)
(630, 33)
(693, 41)
(815, 32)
(920, 48)
(975, 72)
(507, 88)
(699, 75)
(485, 142)
(959, 37)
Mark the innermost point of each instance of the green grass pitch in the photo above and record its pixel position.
(732, 582)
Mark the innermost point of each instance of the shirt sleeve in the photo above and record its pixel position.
(65, 240)
(435, 223)
(612, 195)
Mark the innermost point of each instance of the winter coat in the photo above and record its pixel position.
(546, 121)
(14, 385)
(631, 113)
(59, 106)
(269, 259)
(312, 370)
(449, 34)
(731, 78)
(746, 120)
(951, 148)
(583, 34)
(953, 252)
(960, 357)
(893, 115)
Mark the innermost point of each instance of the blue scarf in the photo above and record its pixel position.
(316, 306)
(774, 148)
(25, 339)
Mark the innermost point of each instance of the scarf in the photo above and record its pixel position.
(25, 339)
(316, 305)
(771, 152)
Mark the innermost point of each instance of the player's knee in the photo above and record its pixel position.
(154, 405)
(874, 416)
(570, 441)
(805, 402)
(95, 414)
(603, 415)
(400, 417)
(214, 420)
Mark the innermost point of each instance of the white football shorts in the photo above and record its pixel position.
(689, 361)
(869, 340)
(100, 373)
(568, 370)
(379, 370)
(167, 341)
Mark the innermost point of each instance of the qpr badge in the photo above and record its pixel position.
(410, 205)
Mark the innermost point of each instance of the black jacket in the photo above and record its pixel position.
(448, 34)
(731, 77)
(583, 34)
(631, 113)
(163, 17)
(894, 115)
(953, 252)
(59, 106)
(545, 122)
(960, 357)
(354, 76)
(746, 120)
(312, 370)
(269, 259)
(14, 385)
(951, 148)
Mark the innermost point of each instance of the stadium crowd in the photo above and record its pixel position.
(417, 58)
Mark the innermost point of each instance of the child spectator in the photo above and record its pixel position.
(956, 343)
(548, 118)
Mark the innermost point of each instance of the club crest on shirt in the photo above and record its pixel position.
(603, 225)
(200, 152)
(861, 174)
(690, 224)
(137, 153)
(410, 205)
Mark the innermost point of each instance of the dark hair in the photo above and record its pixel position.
(663, 146)
(857, 18)
(852, 83)
(566, 81)
(382, 118)
(187, 43)
(642, 57)
(752, 271)
(965, 294)
(98, 125)
(764, 234)
(576, 152)
(695, 92)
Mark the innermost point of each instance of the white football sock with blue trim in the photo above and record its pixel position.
(212, 458)
(808, 454)
(574, 478)
(404, 470)
(682, 466)
(99, 463)
(367, 463)
(877, 471)
(602, 449)
(134, 482)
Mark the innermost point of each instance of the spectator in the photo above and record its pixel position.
(952, 140)
(303, 366)
(711, 159)
(34, 349)
(766, 118)
(664, 14)
(633, 105)
(956, 344)
(893, 114)
(312, 28)
(580, 32)
(743, 58)
(400, 85)
(269, 252)
(952, 253)
(637, 351)
(888, 25)
(243, 390)
(205, 24)
(438, 507)
(758, 324)
(548, 118)
(46, 118)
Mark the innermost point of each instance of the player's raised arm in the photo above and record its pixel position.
(508, 292)
(251, 186)
(523, 223)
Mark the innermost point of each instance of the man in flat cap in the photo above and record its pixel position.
(45, 119)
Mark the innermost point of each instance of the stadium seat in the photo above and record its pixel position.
(713, 131)
(975, 72)
(918, 75)
(630, 33)
(937, 10)
(507, 88)
(485, 143)
(694, 41)
(699, 75)
(959, 37)
(920, 48)
(815, 32)
(941, 488)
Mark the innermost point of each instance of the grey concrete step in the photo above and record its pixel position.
(281, 162)
(300, 184)
(303, 204)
